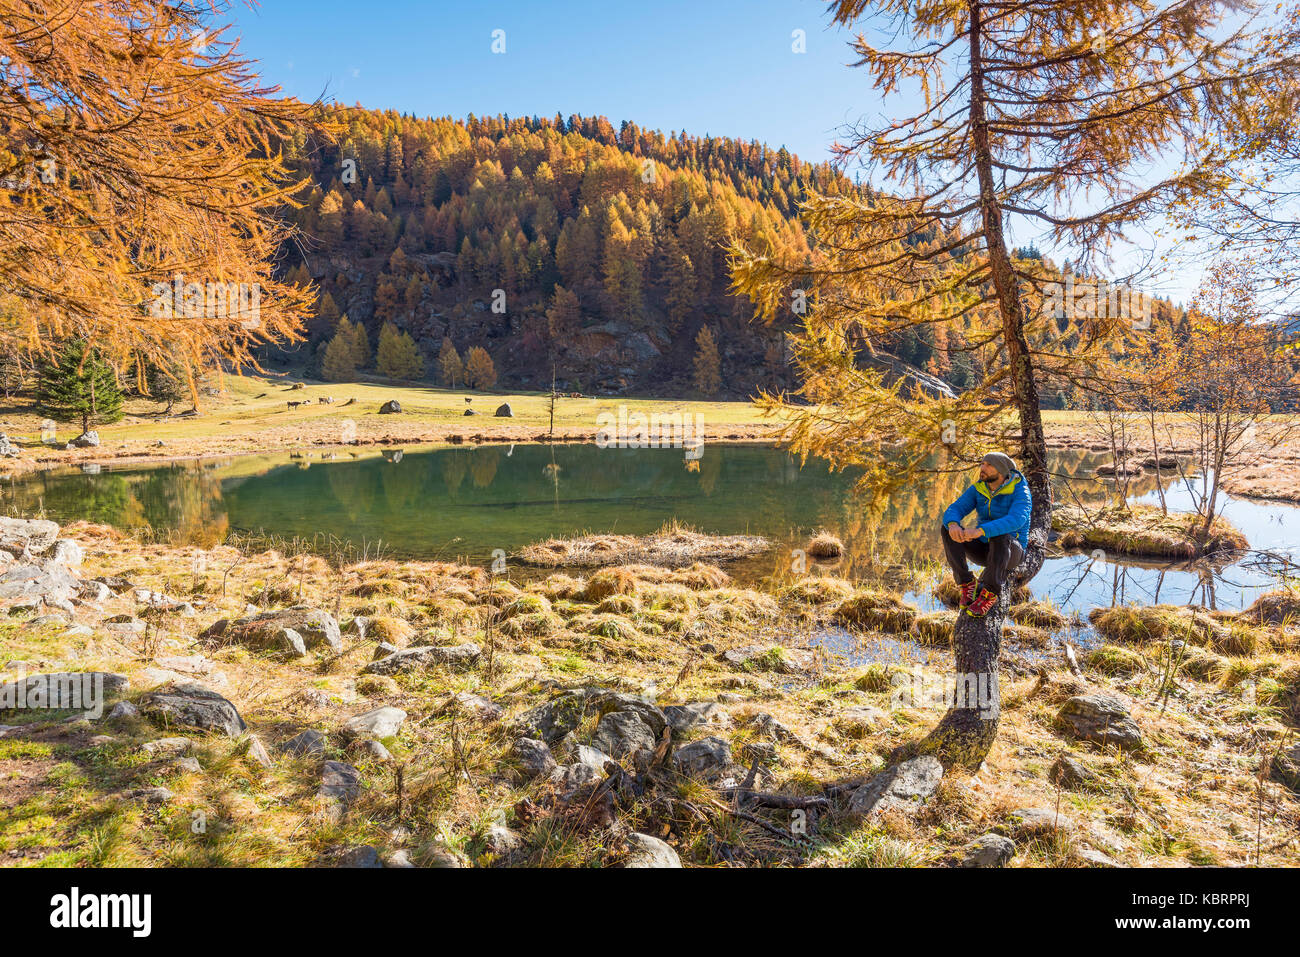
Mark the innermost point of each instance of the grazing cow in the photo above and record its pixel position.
(326, 400)
(293, 405)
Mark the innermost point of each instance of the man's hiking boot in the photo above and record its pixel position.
(967, 592)
(982, 604)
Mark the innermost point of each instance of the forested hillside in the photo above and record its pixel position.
(573, 242)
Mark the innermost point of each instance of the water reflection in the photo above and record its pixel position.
(467, 501)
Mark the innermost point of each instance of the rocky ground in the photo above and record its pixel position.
(274, 709)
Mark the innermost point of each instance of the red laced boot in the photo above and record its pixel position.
(967, 592)
(982, 604)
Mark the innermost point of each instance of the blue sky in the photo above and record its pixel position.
(719, 67)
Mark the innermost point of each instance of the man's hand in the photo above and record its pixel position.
(959, 534)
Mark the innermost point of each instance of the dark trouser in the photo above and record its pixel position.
(999, 555)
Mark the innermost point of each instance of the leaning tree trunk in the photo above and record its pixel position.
(966, 732)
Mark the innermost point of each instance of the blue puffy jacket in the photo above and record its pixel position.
(1005, 510)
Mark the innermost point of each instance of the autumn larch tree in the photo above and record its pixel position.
(1061, 114)
(144, 177)
(708, 371)
(450, 366)
(480, 373)
(398, 357)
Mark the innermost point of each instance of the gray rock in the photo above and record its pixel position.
(375, 751)
(398, 858)
(7, 448)
(991, 850)
(615, 701)
(591, 757)
(411, 659)
(902, 787)
(257, 751)
(621, 733)
(365, 856)
(533, 757)
(123, 709)
(315, 626)
(696, 714)
(567, 778)
(339, 783)
(290, 642)
(391, 407)
(1029, 822)
(67, 552)
(309, 742)
(379, 723)
(358, 626)
(551, 721)
(383, 650)
(188, 765)
(192, 706)
(1074, 775)
(185, 664)
(1095, 858)
(86, 440)
(707, 756)
(1100, 719)
(49, 581)
(646, 851)
(30, 535)
(504, 411)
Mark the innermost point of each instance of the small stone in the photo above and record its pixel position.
(1069, 773)
(123, 709)
(399, 858)
(308, 742)
(391, 407)
(365, 856)
(533, 757)
(707, 756)
(411, 659)
(697, 714)
(383, 650)
(374, 751)
(187, 765)
(858, 721)
(1028, 822)
(379, 723)
(1101, 719)
(1095, 858)
(257, 751)
(192, 705)
(991, 850)
(340, 783)
(644, 851)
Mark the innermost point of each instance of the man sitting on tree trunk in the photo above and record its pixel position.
(1002, 504)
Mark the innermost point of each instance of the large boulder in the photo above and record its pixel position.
(33, 535)
(7, 449)
(991, 850)
(192, 706)
(533, 757)
(504, 411)
(707, 757)
(391, 407)
(902, 787)
(621, 733)
(1100, 719)
(412, 659)
(51, 582)
(313, 626)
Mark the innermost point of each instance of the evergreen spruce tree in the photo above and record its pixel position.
(78, 386)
